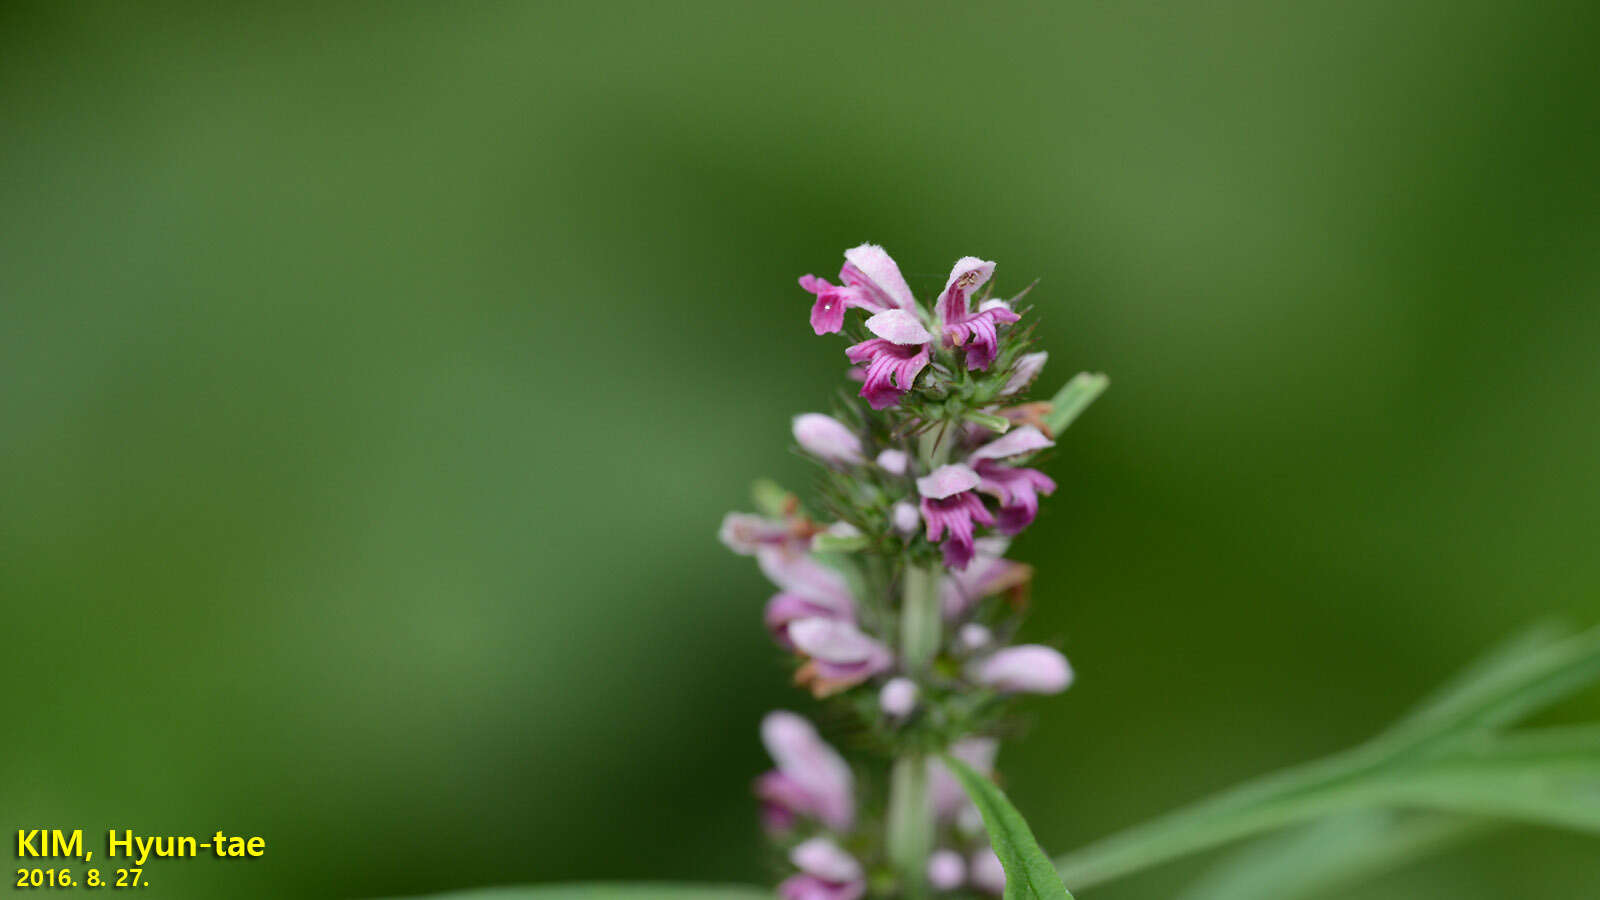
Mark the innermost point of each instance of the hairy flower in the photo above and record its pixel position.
(894, 358)
(811, 780)
(974, 329)
(949, 506)
(1017, 488)
(872, 282)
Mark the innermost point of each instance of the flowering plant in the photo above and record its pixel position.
(898, 607)
(901, 606)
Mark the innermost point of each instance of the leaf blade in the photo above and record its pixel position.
(1029, 873)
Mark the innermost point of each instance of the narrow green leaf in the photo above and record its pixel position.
(1073, 398)
(1441, 758)
(1548, 777)
(1333, 853)
(612, 891)
(1512, 685)
(1029, 873)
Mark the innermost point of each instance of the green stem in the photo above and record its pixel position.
(910, 824)
(920, 618)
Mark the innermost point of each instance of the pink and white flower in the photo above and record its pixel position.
(894, 358)
(1017, 488)
(872, 282)
(841, 656)
(811, 780)
(974, 329)
(949, 506)
(827, 872)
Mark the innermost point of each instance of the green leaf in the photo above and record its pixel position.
(1333, 853)
(613, 891)
(1029, 873)
(1443, 757)
(1073, 398)
(1512, 684)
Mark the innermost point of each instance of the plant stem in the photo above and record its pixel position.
(910, 839)
(910, 822)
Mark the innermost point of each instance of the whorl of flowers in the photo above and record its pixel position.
(900, 605)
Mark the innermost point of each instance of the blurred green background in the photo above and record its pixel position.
(374, 379)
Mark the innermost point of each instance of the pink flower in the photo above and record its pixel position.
(949, 505)
(1017, 488)
(988, 574)
(872, 282)
(1025, 669)
(964, 327)
(827, 439)
(811, 780)
(826, 873)
(894, 358)
(841, 655)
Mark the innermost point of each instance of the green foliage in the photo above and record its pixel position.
(1329, 854)
(1029, 873)
(1073, 398)
(1445, 757)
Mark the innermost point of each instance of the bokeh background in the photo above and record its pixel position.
(374, 378)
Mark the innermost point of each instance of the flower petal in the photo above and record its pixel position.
(880, 269)
(899, 326)
(947, 480)
(1015, 442)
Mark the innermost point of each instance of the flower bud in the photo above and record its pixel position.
(895, 462)
(946, 870)
(1028, 367)
(827, 439)
(898, 697)
(973, 636)
(1027, 669)
(905, 517)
